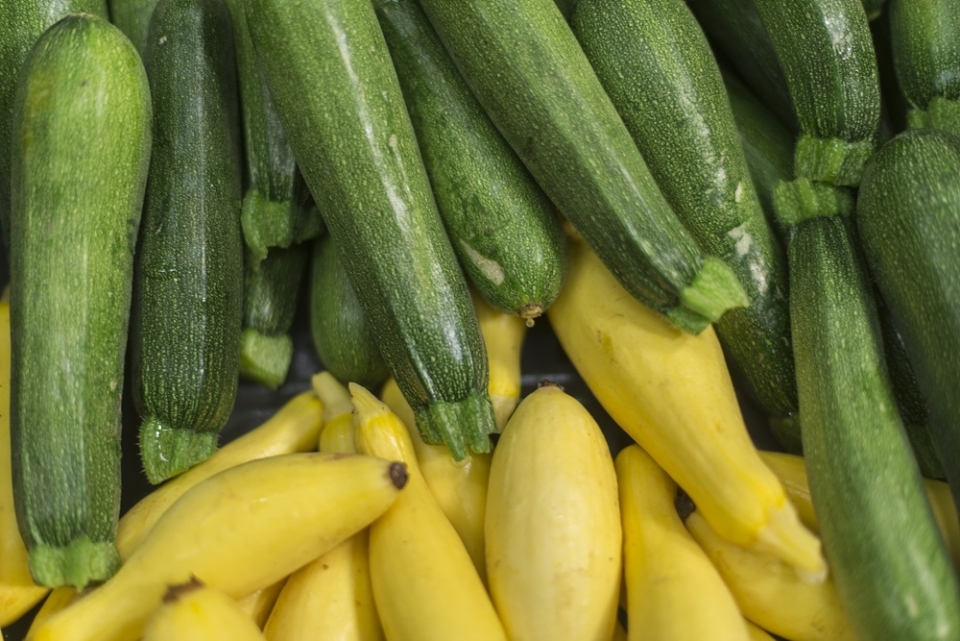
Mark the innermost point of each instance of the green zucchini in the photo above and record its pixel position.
(501, 224)
(913, 409)
(189, 275)
(270, 290)
(21, 24)
(341, 334)
(909, 227)
(826, 51)
(873, 8)
(132, 17)
(82, 120)
(737, 33)
(526, 68)
(358, 153)
(890, 565)
(925, 38)
(658, 70)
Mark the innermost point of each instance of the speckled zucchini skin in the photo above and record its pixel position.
(21, 24)
(925, 38)
(826, 52)
(358, 153)
(658, 70)
(500, 222)
(341, 334)
(887, 558)
(189, 274)
(527, 69)
(82, 121)
(909, 226)
(132, 17)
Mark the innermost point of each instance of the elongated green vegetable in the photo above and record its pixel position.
(826, 52)
(358, 153)
(925, 39)
(889, 562)
(82, 121)
(189, 279)
(341, 334)
(132, 17)
(527, 70)
(500, 222)
(658, 70)
(909, 225)
(21, 24)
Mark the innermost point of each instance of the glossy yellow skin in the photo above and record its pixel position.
(756, 632)
(460, 487)
(57, 600)
(771, 593)
(672, 393)
(792, 472)
(503, 336)
(673, 591)
(200, 613)
(331, 597)
(554, 543)
(257, 606)
(18, 592)
(333, 395)
(238, 531)
(424, 583)
(294, 428)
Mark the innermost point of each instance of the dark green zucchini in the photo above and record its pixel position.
(925, 40)
(826, 52)
(887, 558)
(270, 290)
(79, 169)
(189, 274)
(909, 226)
(500, 223)
(526, 68)
(341, 334)
(132, 17)
(913, 409)
(736, 31)
(21, 24)
(873, 8)
(658, 70)
(358, 153)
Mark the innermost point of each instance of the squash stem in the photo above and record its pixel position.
(167, 451)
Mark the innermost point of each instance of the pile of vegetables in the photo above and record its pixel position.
(690, 193)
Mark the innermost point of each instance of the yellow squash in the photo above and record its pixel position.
(503, 336)
(18, 592)
(460, 487)
(771, 594)
(554, 541)
(194, 612)
(334, 396)
(672, 393)
(294, 428)
(757, 633)
(673, 591)
(258, 605)
(424, 583)
(619, 632)
(792, 472)
(57, 600)
(238, 531)
(331, 597)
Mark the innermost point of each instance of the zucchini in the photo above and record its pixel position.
(889, 562)
(188, 292)
(270, 291)
(658, 70)
(913, 409)
(342, 336)
(132, 17)
(21, 24)
(909, 227)
(358, 153)
(925, 38)
(526, 68)
(500, 222)
(736, 31)
(83, 107)
(826, 51)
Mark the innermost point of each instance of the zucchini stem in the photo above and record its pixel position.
(167, 451)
